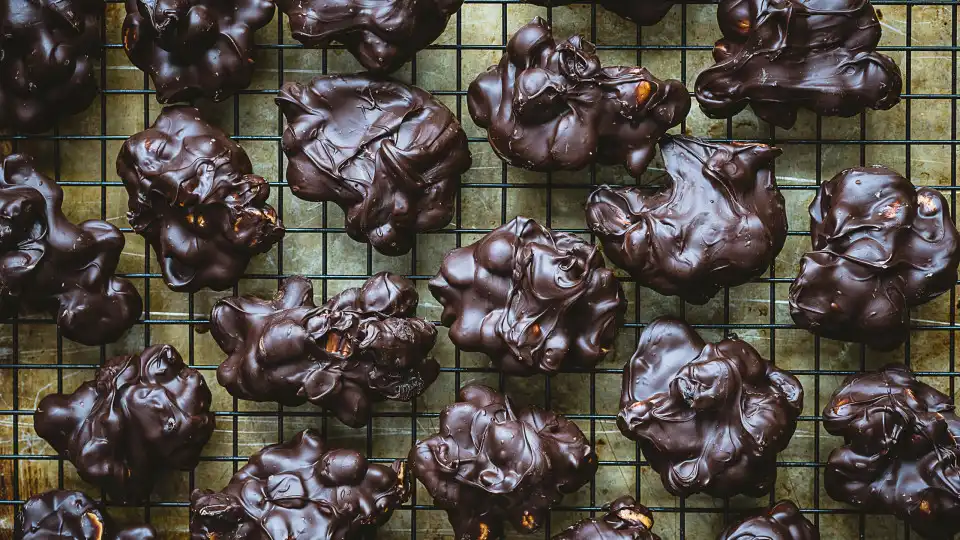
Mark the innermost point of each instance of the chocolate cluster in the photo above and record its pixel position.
(194, 48)
(389, 154)
(61, 514)
(493, 463)
(301, 489)
(718, 220)
(710, 417)
(142, 416)
(900, 450)
(625, 520)
(550, 105)
(880, 247)
(783, 55)
(363, 346)
(642, 12)
(50, 264)
(193, 195)
(783, 521)
(47, 67)
(533, 300)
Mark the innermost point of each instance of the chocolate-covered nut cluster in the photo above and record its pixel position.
(493, 463)
(363, 346)
(300, 489)
(533, 300)
(900, 450)
(142, 415)
(194, 197)
(783, 521)
(389, 154)
(880, 247)
(624, 520)
(642, 12)
(71, 515)
(783, 55)
(381, 35)
(46, 70)
(50, 264)
(194, 48)
(719, 220)
(550, 106)
(710, 417)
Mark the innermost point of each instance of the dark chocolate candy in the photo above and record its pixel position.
(783, 521)
(142, 415)
(642, 12)
(710, 417)
(779, 56)
(301, 489)
(389, 154)
(50, 264)
(49, 48)
(533, 300)
(492, 462)
(550, 106)
(381, 35)
(365, 345)
(718, 221)
(880, 247)
(71, 515)
(194, 48)
(900, 450)
(194, 197)
(624, 520)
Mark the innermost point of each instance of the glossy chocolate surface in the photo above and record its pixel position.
(533, 300)
(717, 221)
(301, 489)
(363, 346)
(389, 154)
(642, 12)
(50, 264)
(783, 55)
(493, 462)
(783, 521)
(710, 417)
(880, 247)
(142, 416)
(550, 106)
(625, 520)
(193, 195)
(71, 515)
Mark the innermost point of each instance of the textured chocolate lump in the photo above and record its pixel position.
(783, 521)
(71, 515)
(625, 520)
(642, 12)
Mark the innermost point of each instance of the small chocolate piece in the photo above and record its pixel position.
(301, 489)
(533, 300)
(50, 264)
(142, 415)
(382, 35)
(880, 247)
(785, 55)
(719, 220)
(71, 515)
(550, 106)
(625, 520)
(363, 346)
(194, 197)
(389, 154)
(900, 450)
(49, 48)
(710, 417)
(194, 48)
(783, 521)
(642, 12)
(492, 463)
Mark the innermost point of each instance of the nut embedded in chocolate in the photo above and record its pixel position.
(60, 514)
(50, 264)
(141, 416)
(880, 247)
(625, 520)
(363, 346)
(550, 106)
(389, 154)
(492, 463)
(642, 12)
(718, 222)
(533, 300)
(194, 197)
(783, 521)
(784, 55)
(301, 489)
(900, 450)
(710, 417)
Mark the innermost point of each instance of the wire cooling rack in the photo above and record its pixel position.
(918, 138)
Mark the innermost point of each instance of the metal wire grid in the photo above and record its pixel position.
(684, 512)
